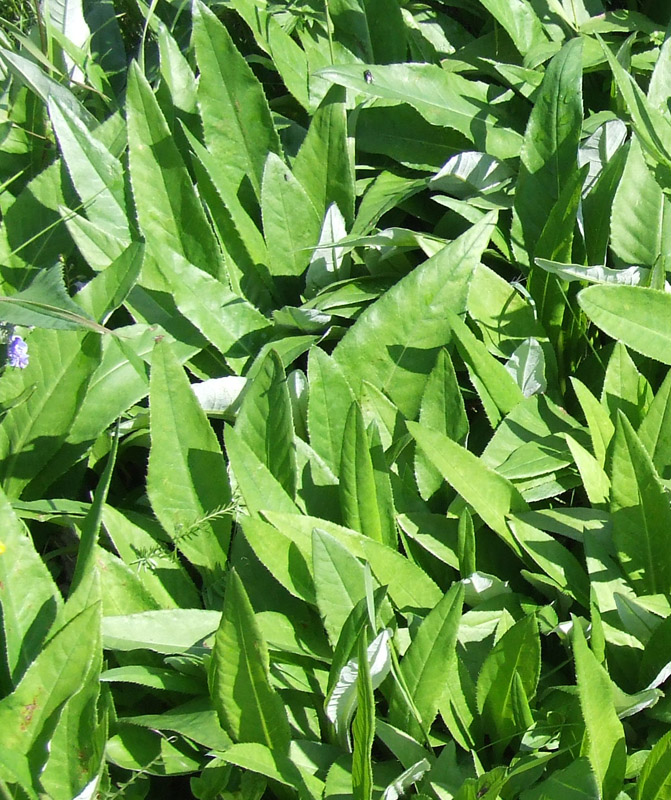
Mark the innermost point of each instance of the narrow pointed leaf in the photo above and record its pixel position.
(394, 343)
(249, 709)
(605, 736)
(186, 478)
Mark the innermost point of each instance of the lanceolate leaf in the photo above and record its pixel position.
(654, 782)
(641, 513)
(265, 421)
(60, 368)
(394, 343)
(28, 596)
(186, 481)
(491, 495)
(441, 97)
(511, 668)
(339, 581)
(96, 174)
(605, 736)
(324, 165)
(362, 498)
(248, 707)
(636, 316)
(549, 154)
(237, 122)
(363, 729)
(423, 665)
(169, 212)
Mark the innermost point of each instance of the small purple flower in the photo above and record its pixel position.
(17, 353)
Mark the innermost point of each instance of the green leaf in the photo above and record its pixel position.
(108, 290)
(363, 729)
(323, 164)
(409, 586)
(575, 782)
(605, 737)
(558, 563)
(196, 719)
(650, 124)
(54, 676)
(169, 212)
(153, 678)
(95, 173)
(640, 213)
(511, 669)
(394, 343)
(259, 488)
(60, 369)
(491, 495)
(187, 482)
(274, 765)
(442, 409)
(248, 707)
(287, 562)
(178, 630)
(624, 388)
(366, 507)
(46, 304)
(441, 97)
(29, 597)
(601, 428)
(423, 665)
(291, 222)
(520, 23)
(343, 698)
(549, 154)
(339, 582)
(265, 421)
(636, 316)
(287, 55)
(237, 123)
(230, 323)
(496, 386)
(641, 513)
(655, 430)
(329, 400)
(654, 781)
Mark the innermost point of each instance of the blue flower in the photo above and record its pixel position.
(17, 353)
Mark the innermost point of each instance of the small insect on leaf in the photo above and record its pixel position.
(482, 792)
(368, 76)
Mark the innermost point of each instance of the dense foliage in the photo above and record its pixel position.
(335, 433)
